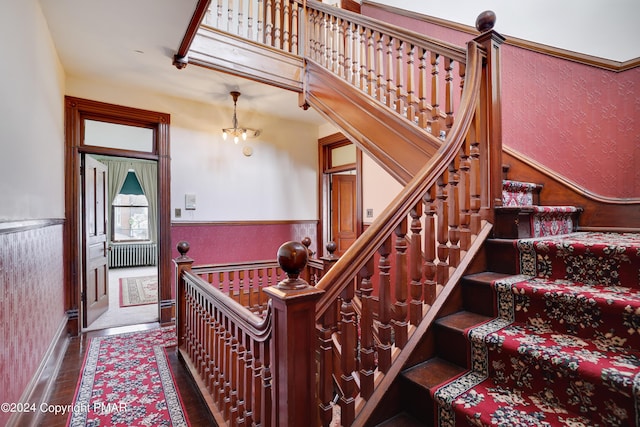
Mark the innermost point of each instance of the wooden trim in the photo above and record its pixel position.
(180, 59)
(599, 212)
(217, 50)
(39, 388)
(594, 61)
(240, 223)
(18, 226)
(76, 110)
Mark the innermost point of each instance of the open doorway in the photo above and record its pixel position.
(129, 292)
(86, 137)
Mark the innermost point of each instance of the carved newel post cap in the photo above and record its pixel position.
(292, 257)
(183, 248)
(331, 248)
(486, 21)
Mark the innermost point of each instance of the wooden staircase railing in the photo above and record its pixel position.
(445, 211)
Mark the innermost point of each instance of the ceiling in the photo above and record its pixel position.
(132, 43)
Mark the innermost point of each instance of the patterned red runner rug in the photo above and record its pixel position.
(126, 380)
(564, 349)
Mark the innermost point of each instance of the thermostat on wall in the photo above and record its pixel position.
(190, 201)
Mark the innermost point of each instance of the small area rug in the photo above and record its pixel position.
(138, 291)
(126, 380)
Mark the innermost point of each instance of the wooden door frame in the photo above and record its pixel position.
(325, 170)
(76, 111)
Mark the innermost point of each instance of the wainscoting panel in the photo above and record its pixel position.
(31, 301)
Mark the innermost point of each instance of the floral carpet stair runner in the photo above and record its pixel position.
(565, 347)
(544, 220)
(126, 380)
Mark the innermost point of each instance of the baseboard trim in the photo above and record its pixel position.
(39, 388)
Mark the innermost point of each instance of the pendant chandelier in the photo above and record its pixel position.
(236, 131)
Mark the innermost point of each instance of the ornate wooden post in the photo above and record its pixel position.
(183, 263)
(294, 341)
(491, 138)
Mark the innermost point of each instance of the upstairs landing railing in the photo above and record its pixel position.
(418, 78)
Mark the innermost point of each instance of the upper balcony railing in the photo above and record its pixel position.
(420, 79)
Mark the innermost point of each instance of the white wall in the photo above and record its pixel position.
(31, 116)
(603, 28)
(277, 182)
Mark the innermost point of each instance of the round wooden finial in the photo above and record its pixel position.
(292, 257)
(485, 21)
(183, 248)
(331, 247)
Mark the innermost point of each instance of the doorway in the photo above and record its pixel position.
(341, 187)
(128, 295)
(81, 115)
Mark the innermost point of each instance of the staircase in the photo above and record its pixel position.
(547, 335)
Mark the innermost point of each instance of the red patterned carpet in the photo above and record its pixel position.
(564, 349)
(126, 381)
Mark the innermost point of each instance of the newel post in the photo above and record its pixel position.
(294, 341)
(491, 40)
(183, 263)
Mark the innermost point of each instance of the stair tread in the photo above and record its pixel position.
(401, 420)
(485, 277)
(432, 372)
(462, 320)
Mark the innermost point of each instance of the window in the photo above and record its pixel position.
(130, 212)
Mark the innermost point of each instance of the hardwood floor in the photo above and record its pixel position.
(65, 386)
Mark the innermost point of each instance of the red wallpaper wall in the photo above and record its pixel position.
(31, 305)
(579, 121)
(218, 243)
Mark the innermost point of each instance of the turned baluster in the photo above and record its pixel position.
(225, 401)
(465, 196)
(454, 213)
(322, 52)
(364, 43)
(435, 94)
(429, 266)
(325, 366)
(266, 402)
(412, 101)
(257, 384)
(219, 14)
(380, 80)
(476, 174)
(391, 84)
(230, 16)
(268, 23)
(294, 28)
(233, 382)
(355, 55)
(277, 25)
(442, 197)
(415, 265)
(340, 47)
(371, 63)
(423, 84)
(286, 35)
(384, 307)
(240, 29)
(400, 96)
(448, 68)
(260, 35)
(400, 324)
(250, 19)
(240, 385)
(367, 344)
(348, 54)
(248, 381)
(348, 356)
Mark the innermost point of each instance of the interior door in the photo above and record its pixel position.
(343, 211)
(95, 288)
